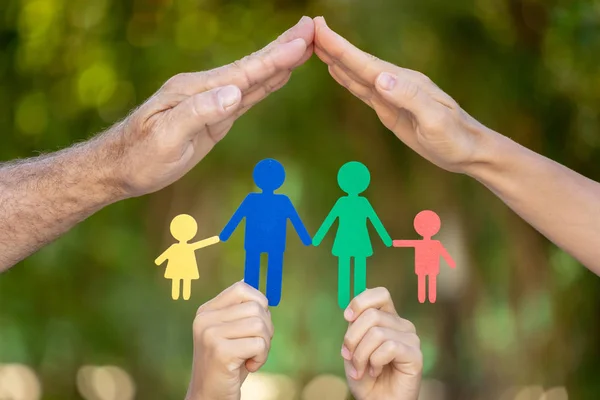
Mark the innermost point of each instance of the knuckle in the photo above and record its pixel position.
(209, 337)
(377, 334)
(408, 89)
(256, 324)
(358, 304)
(421, 77)
(410, 326)
(372, 316)
(176, 81)
(221, 351)
(435, 121)
(197, 327)
(358, 358)
(349, 341)
(256, 308)
(261, 344)
(391, 347)
(239, 289)
(418, 363)
(383, 293)
(417, 341)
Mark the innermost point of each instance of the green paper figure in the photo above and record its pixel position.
(352, 238)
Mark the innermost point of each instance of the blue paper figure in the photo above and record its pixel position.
(266, 216)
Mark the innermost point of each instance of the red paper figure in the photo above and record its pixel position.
(427, 252)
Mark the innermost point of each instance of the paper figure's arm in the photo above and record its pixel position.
(164, 256)
(298, 225)
(235, 220)
(381, 231)
(444, 253)
(326, 225)
(405, 243)
(206, 242)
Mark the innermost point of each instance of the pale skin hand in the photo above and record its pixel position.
(381, 351)
(43, 197)
(560, 203)
(232, 337)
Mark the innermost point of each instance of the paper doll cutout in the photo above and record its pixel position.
(266, 216)
(427, 252)
(352, 238)
(181, 257)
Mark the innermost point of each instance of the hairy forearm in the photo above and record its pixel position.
(560, 203)
(43, 197)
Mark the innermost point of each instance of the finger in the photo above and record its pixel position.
(197, 113)
(323, 56)
(374, 338)
(260, 92)
(241, 311)
(239, 351)
(365, 66)
(410, 95)
(260, 66)
(254, 326)
(359, 90)
(369, 319)
(405, 358)
(304, 29)
(237, 293)
(378, 298)
(310, 49)
(285, 53)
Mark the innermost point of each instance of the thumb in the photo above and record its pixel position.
(203, 110)
(404, 92)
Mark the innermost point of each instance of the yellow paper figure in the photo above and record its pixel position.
(181, 257)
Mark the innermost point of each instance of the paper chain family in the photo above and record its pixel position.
(266, 215)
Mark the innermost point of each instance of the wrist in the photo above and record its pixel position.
(489, 152)
(106, 154)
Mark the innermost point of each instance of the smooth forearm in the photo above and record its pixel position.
(560, 203)
(43, 197)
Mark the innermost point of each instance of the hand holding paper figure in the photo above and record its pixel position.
(266, 215)
(182, 266)
(352, 237)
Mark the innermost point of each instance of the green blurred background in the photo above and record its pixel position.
(517, 319)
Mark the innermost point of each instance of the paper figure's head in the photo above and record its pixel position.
(427, 223)
(184, 227)
(269, 175)
(354, 178)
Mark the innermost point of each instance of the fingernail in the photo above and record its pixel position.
(372, 372)
(228, 96)
(346, 353)
(386, 81)
(348, 314)
(353, 374)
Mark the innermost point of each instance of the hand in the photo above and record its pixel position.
(306, 240)
(170, 133)
(387, 241)
(382, 352)
(232, 336)
(407, 102)
(316, 241)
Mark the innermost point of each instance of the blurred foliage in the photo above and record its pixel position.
(516, 311)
